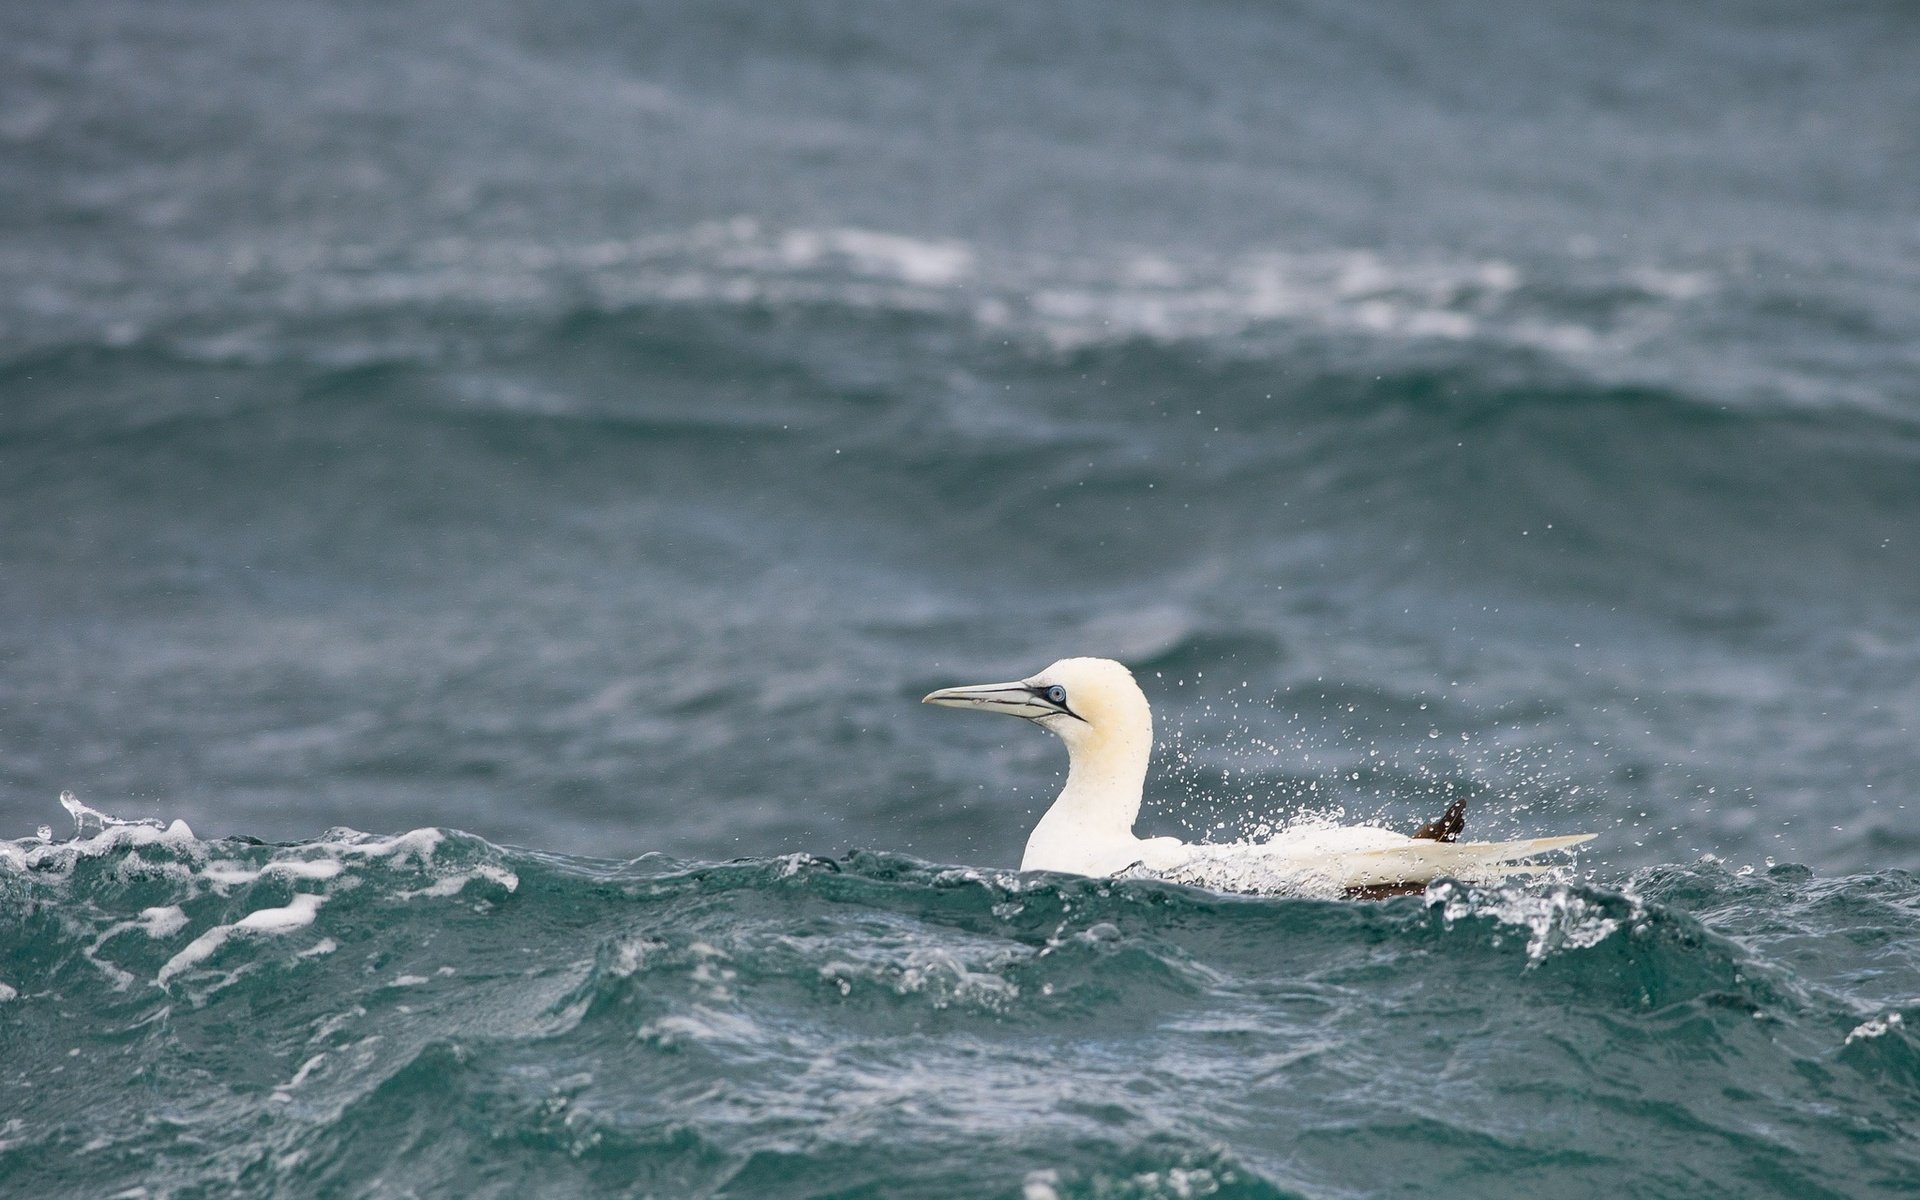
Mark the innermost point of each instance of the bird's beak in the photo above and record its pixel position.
(1015, 699)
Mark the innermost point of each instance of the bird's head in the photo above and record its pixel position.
(1084, 700)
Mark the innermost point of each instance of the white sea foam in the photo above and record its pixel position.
(306, 1068)
(883, 255)
(1061, 299)
(162, 922)
(1556, 919)
(297, 914)
(1876, 1027)
(203, 865)
(632, 954)
(159, 922)
(60, 857)
(198, 868)
(1176, 1183)
(303, 868)
(224, 874)
(417, 846)
(1040, 1185)
(328, 859)
(283, 1093)
(702, 1024)
(146, 850)
(97, 834)
(453, 885)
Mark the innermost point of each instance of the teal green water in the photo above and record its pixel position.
(430, 1014)
(594, 425)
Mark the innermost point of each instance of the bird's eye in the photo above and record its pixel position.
(1057, 695)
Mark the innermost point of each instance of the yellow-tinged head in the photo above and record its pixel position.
(1084, 700)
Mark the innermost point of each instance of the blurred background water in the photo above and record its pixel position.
(594, 425)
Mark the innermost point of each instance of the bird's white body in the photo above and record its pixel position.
(1095, 706)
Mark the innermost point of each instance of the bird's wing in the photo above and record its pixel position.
(1418, 861)
(1336, 861)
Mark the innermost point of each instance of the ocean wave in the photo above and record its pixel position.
(1004, 939)
(443, 302)
(348, 306)
(347, 1011)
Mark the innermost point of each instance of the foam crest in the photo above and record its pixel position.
(95, 835)
(1555, 920)
(296, 914)
(1875, 1027)
(1061, 301)
(225, 892)
(101, 835)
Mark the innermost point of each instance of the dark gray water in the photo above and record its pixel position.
(593, 426)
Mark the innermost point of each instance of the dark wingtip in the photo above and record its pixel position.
(1447, 828)
(1385, 891)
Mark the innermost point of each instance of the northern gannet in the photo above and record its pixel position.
(1096, 708)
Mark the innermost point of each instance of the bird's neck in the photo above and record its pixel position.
(1096, 810)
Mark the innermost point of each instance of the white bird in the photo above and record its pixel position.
(1096, 708)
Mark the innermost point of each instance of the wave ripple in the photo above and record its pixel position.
(301, 1013)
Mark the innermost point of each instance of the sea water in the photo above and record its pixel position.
(578, 435)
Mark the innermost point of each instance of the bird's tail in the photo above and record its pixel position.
(1447, 826)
